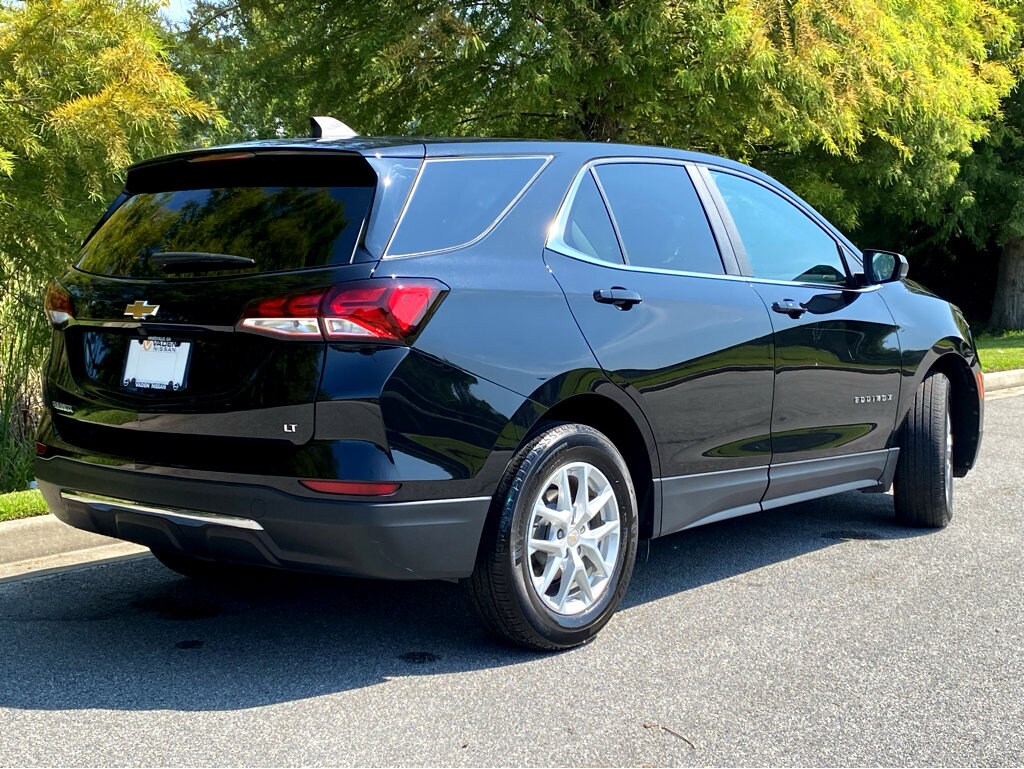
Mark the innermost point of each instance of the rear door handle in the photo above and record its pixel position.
(789, 307)
(617, 295)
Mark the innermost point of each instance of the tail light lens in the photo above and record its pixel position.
(57, 304)
(295, 317)
(387, 310)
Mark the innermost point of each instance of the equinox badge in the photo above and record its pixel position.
(139, 309)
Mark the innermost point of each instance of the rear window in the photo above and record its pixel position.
(283, 213)
(458, 200)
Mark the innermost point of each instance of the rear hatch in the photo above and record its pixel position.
(154, 363)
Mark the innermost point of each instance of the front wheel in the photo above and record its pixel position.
(558, 554)
(923, 487)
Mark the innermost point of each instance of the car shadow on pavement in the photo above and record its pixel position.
(130, 635)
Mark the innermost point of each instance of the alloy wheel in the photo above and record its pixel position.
(573, 538)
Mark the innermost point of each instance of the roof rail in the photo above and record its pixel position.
(327, 127)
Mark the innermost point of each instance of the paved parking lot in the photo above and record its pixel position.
(818, 634)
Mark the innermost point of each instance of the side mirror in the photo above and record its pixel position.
(884, 266)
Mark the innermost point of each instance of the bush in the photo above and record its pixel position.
(21, 352)
(21, 504)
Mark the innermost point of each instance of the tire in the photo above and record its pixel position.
(547, 591)
(206, 571)
(923, 487)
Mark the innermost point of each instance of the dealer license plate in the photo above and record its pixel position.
(156, 363)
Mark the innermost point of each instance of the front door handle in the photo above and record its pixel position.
(789, 307)
(618, 296)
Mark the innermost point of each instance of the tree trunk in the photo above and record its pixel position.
(1008, 307)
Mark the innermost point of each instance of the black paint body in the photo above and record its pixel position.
(720, 405)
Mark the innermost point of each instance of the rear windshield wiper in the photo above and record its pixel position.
(199, 261)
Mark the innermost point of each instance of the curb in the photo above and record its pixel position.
(44, 543)
(1004, 380)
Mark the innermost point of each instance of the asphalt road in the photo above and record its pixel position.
(816, 635)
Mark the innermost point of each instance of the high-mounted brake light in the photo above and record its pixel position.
(387, 310)
(57, 304)
(221, 156)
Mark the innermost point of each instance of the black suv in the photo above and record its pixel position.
(501, 362)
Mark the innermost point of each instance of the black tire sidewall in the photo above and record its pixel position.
(921, 475)
(594, 449)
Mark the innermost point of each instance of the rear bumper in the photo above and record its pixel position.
(249, 523)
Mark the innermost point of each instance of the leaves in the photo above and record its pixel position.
(879, 99)
(86, 89)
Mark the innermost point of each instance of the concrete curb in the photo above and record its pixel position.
(1004, 380)
(40, 544)
(44, 542)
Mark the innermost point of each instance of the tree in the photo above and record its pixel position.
(854, 102)
(970, 241)
(85, 89)
(985, 209)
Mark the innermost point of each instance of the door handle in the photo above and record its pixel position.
(617, 295)
(789, 307)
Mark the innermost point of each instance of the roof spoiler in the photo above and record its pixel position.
(327, 127)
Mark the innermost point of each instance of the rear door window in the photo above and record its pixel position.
(287, 215)
(659, 217)
(458, 200)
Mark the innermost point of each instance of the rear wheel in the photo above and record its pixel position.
(557, 558)
(923, 487)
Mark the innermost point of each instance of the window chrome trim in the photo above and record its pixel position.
(572, 253)
(623, 252)
(819, 286)
(490, 228)
(556, 229)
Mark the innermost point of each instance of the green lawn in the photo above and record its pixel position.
(1000, 352)
(21, 504)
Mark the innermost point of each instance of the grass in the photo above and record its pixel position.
(1000, 352)
(21, 504)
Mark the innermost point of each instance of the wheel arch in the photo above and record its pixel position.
(627, 428)
(965, 407)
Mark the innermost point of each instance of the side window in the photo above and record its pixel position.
(588, 228)
(781, 241)
(660, 218)
(457, 200)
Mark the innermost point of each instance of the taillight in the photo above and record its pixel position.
(392, 309)
(388, 310)
(293, 316)
(58, 304)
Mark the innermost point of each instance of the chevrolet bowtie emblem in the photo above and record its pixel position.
(139, 309)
